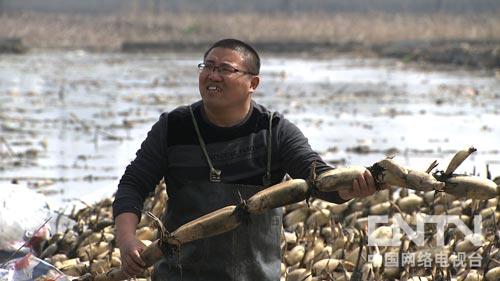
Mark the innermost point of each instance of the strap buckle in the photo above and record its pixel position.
(215, 175)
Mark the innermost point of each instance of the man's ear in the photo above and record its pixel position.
(254, 83)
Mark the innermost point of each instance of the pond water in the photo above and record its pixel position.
(71, 121)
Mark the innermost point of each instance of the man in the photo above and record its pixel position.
(211, 154)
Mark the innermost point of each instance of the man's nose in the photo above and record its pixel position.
(215, 74)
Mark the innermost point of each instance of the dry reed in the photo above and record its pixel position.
(44, 30)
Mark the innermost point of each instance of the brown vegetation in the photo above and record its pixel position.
(44, 30)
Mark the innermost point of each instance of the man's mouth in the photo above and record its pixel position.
(214, 89)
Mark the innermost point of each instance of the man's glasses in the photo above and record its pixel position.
(223, 69)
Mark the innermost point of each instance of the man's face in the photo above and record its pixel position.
(232, 90)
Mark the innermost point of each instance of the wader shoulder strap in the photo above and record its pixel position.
(267, 177)
(214, 175)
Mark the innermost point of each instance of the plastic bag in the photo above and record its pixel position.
(30, 268)
(22, 210)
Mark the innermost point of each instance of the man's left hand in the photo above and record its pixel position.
(363, 186)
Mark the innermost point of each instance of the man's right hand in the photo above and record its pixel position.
(130, 251)
(130, 247)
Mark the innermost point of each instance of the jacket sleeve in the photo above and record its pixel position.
(297, 157)
(144, 172)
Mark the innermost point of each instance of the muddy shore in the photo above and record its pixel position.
(464, 40)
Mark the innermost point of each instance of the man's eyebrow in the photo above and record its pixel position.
(222, 63)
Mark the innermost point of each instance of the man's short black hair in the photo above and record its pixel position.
(251, 57)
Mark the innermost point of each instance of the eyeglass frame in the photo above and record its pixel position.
(203, 67)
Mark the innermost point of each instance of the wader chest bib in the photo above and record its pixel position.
(249, 252)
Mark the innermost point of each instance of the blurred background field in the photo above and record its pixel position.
(49, 30)
(74, 87)
(107, 24)
(362, 79)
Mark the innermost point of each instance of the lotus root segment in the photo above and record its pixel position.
(338, 179)
(458, 158)
(471, 187)
(279, 195)
(396, 175)
(214, 223)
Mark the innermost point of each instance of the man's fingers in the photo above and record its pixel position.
(124, 270)
(369, 179)
(132, 267)
(345, 194)
(363, 187)
(355, 188)
(128, 271)
(137, 258)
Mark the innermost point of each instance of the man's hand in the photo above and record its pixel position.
(130, 246)
(363, 186)
(130, 250)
